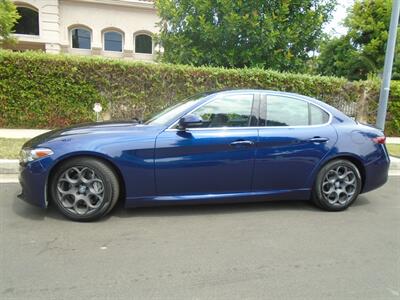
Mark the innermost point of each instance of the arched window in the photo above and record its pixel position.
(81, 38)
(113, 41)
(143, 44)
(29, 21)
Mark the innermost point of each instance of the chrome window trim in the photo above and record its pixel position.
(253, 127)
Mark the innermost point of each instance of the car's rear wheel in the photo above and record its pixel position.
(84, 189)
(337, 185)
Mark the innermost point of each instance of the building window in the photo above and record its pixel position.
(81, 38)
(29, 21)
(143, 44)
(113, 41)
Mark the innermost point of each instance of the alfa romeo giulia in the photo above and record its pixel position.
(226, 146)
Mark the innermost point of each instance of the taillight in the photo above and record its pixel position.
(379, 139)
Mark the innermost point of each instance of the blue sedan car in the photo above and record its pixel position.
(228, 146)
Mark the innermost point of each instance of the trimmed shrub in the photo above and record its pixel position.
(372, 90)
(42, 90)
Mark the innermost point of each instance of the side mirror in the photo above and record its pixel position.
(189, 121)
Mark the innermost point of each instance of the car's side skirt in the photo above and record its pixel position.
(299, 194)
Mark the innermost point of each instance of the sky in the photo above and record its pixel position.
(335, 27)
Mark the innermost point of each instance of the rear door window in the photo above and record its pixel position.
(287, 111)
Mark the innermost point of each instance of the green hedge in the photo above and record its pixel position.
(42, 90)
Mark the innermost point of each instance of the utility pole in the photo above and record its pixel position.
(387, 69)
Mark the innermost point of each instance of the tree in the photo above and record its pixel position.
(339, 57)
(8, 17)
(269, 34)
(396, 63)
(362, 50)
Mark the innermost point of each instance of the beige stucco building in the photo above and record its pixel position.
(113, 28)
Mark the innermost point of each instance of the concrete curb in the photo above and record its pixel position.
(394, 163)
(11, 166)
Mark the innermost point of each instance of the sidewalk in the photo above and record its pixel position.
(20, 133)
(393, 140)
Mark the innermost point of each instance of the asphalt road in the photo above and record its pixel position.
(273, 250)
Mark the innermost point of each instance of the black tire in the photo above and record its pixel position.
(96, 188)
(326, 190)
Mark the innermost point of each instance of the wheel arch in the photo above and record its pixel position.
(357, 161)
(103, 158)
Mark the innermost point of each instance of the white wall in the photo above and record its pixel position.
(98, 17)
(56, 17)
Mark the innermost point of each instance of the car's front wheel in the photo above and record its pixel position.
(337, 185)
(84, 188)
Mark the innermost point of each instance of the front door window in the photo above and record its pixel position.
(229, 111)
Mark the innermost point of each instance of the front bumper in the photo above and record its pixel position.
(32, 179)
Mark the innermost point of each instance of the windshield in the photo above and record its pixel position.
(171, 113)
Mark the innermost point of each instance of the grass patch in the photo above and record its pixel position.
(9, 148)
(394, 149)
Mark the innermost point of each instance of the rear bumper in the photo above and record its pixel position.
(32, 179)
(376, 174)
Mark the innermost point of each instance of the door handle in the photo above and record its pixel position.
(242, 143)
(318, 139)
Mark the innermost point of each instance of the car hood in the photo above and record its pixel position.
(102, 128)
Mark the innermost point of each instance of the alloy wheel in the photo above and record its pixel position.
(339, 185)
(80, 190)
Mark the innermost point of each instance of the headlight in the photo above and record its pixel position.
(27, 155)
